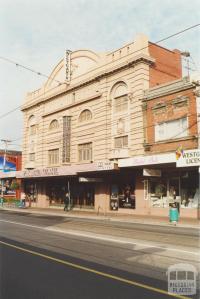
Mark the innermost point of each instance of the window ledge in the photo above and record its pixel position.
(172, 140)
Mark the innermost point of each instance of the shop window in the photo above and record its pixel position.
(31, 192)
(85, 115)
(182, 191)
(122, 196)
(171, 129)
(158, 193)
(121, 142)
(85, 152)
(189, 191)
(53, 157)
(54, 125)
(32, 157)
(9, 187)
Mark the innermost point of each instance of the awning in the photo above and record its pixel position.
(46, 172)
(148, 160)
(70, 170)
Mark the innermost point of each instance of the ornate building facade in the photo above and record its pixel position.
(87, 118)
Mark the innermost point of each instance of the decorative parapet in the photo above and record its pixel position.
(167, 89)
(104, 72)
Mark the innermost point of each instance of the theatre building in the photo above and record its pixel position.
(87, 118)
(171, 159)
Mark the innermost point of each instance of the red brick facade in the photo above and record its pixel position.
(167, 65)
(166, 108)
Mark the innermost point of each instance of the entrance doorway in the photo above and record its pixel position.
(83, 195)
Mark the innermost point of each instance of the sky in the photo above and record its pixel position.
(37, 33)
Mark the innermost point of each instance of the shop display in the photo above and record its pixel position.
(122, 196)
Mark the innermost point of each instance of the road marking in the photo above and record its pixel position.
(101, 237)
(116, 240)
(100, 273)
(23, 224)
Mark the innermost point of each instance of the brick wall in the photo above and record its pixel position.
(167, 65)
(168, 108)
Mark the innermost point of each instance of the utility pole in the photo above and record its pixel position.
(5, 141)
(196, 82)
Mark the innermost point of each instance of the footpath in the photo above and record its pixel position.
(112, 216)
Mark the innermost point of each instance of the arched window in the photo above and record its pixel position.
(85, 115)
(32, 125)
(31, 120)
(53, 125)
(120, 98)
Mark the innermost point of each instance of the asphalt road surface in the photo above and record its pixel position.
(58, 257)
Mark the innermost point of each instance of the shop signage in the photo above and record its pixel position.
(90, 180)
(189, 158)
(45, 172)
(66, 138)
(151, 172)
(67, 65)
(148, 160)
(106, 165)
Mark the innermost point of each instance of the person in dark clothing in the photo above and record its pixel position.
(66, 202)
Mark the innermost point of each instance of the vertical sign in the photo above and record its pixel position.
(67, 64)
(66, 138)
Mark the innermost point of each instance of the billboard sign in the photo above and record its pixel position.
(10, 164)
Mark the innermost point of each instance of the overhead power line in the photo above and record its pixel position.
(9, 112)
(59, 82)
(30, 69)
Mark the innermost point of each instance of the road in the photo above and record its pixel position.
(60, 257)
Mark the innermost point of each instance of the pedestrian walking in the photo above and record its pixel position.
(66, 202)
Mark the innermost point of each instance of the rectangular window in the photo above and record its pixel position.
(85, 152)
(121, 104)
(121, 142)
(53, 156)
(32, 157)
(171, 129)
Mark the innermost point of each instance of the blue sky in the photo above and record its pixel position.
(36, 34)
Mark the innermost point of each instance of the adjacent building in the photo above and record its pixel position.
(10, 162)
(170, 131)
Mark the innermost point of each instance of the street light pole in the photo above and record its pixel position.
(197, 94)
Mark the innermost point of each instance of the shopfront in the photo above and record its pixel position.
(164, 185)
(86, 184)
(9, 185)
(122, 191)
(180, 187)
(82, 195)
(30, 188)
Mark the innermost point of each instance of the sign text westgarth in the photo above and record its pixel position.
(189, 158)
